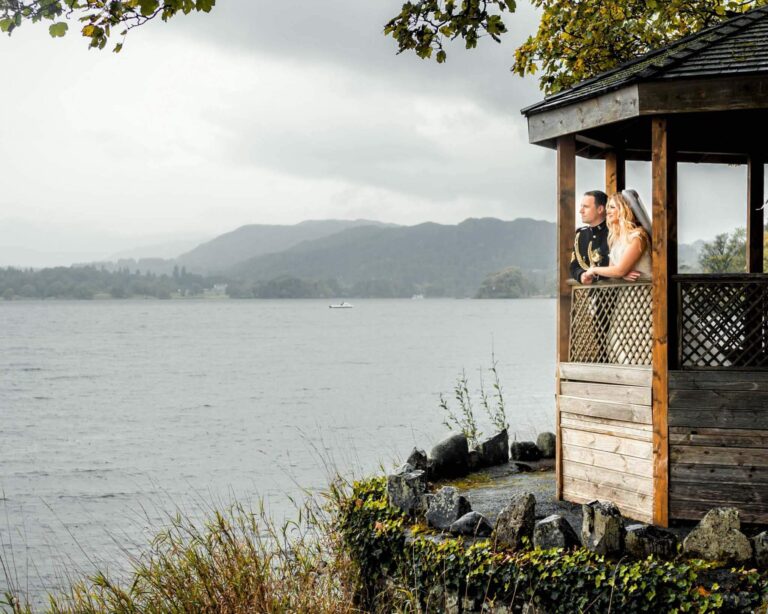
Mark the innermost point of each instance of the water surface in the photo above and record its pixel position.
(114, 412)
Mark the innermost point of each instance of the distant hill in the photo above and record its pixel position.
(255, 240)
(433, 259)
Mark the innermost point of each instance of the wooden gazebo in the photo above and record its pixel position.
(662, 386)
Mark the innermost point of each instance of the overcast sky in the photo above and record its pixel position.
(275, 112)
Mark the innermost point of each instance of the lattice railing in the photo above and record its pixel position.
(611, 323)
(723, 321)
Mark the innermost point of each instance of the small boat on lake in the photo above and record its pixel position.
(341, 305)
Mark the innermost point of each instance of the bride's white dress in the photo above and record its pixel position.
(620, 329)
(617, 251)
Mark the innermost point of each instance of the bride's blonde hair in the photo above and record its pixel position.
(626, 227)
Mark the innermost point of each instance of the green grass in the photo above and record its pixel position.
(236, 562)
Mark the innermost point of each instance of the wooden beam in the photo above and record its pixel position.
(573, 118)
(566, 232)
(664, 253)
(755, 213)
(615, 172)
(700, 95)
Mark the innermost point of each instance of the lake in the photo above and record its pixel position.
(114, 413)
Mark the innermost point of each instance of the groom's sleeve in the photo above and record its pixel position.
(576, 270)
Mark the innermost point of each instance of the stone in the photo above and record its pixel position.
(718, 537)
(446, 506)
(554, 532)
(475, 462)
(524, 451)
(760, 546)
(642, 540)
(450, 457)
(418, 459)
(547, 443)
(602, 529)
(495, 450)
(515, 522)
(473, 523)
(406, 489)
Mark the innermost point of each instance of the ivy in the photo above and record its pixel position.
(555, 580)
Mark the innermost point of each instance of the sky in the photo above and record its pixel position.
(274, 113)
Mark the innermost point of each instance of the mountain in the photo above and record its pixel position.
(428, 258)
(256, 240)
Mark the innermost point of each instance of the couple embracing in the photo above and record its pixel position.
(615, 241)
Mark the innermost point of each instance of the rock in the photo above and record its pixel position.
(450, 457)
(602, 529)
(642, 540)
(547, 443)
(406, 489)
(718, 537)
(760, 545)
(524, 451)
(515, 522)
(446, 506)
(418, 459)
(495, 450)
(554, 532)
(475, 462)
(473, 523)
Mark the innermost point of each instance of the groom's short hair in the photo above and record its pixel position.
(601, 198)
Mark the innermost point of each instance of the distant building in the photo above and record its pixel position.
(218, 290)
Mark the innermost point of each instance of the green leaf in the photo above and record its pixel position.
(5, 24)
(57, 30)
(148, 7)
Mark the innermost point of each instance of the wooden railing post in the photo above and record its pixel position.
(566, 232)
(664, 252)
(755, 213)
(615, 172)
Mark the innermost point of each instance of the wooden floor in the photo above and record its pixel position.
(606, 435)
(718, 436)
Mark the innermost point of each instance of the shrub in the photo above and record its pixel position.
(557, 581)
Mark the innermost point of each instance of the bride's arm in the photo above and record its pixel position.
(625, 265)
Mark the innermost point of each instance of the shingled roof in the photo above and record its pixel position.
(734, 47)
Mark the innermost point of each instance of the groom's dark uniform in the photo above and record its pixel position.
(590, 248)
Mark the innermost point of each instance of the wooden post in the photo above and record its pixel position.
(615, 172)
(755, 213)
(664, 252)
(566, 233)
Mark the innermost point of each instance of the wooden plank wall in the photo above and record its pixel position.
(606, 435)
(718, 435)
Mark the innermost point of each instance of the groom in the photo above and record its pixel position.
(591, 245)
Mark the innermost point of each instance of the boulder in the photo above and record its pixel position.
(446, 506)
(495, 450)
(642, 540)
(718, 537)
(547, 443)
(418, 459)
(524, 451)
(760, 546)
(554, 532)
(475, 462)
(515, 522)
(450, 457)
(602, 529)
(473, 523)
(406, 489)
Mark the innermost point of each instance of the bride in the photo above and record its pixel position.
(628, 238)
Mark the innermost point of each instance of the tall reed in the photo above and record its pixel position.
(236, 562)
